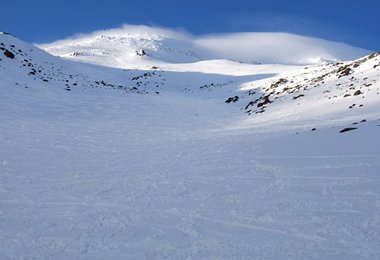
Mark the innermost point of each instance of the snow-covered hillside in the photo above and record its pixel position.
(198, 159)
(143, 47)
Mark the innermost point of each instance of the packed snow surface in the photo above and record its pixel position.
(205, 159)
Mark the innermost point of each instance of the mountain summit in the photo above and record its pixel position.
(120, 48)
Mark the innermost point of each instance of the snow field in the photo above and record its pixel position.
(102, 173)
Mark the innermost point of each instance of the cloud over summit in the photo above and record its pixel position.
(178, 46)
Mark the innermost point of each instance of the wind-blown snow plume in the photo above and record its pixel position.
(118, 47)
(284, 48)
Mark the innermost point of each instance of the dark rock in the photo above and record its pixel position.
(251, 103)
(232, 99)
(265, 101)
(229, 100)
(373, 55)
(344, 71)
(278, 82)
(347, 129)
(296, 97)
(282, 80)
(76, 53)
(9, 54)
(140, 53)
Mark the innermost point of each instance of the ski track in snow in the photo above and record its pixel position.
(103, 175)
(98, 190)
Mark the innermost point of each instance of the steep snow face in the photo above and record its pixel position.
(139, 46)
(130, 46)
(29, 66)
(212, 159)
(318, 96)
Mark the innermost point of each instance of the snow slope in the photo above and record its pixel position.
(122, 48)
(103, 163)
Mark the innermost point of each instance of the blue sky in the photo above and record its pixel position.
(355, 22)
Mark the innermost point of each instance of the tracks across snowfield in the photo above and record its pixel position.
(158, 177)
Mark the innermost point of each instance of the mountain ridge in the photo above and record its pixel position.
(268, 84)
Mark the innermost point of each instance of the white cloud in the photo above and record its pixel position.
(276, 48)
